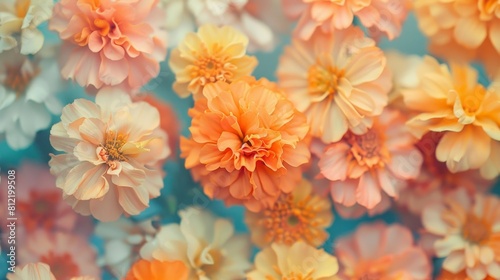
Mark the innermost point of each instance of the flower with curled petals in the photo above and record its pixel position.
(247, 143)
(157, 270)
(110, 149)
(32, 271)
(338, 81)
(212, 54)
(110, 43)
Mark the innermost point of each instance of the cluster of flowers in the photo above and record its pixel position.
(347, 127)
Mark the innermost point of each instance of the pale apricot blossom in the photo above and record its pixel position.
(32, 271)
(339, 81)
(158, 270)
(110, 149)
(247, 143)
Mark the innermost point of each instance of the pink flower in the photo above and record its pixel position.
(110, 43)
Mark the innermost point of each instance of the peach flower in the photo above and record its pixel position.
(212, 54)
(67, 255)
(158, 270)
(109, 150)
(247, 143)
(299, 215)
(32, 271)
(296, 261)
(379, 251)
(357, 210)
(452, 102)
(379, 16)
(361, 167)
(339, 81)
(446, 275)
(468, 233)
(105, 46)
(204, 243)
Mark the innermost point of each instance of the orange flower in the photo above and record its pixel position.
(299, 215)
(466, 112)
(247, 143)
(462, 275)
(213, 54)
(339, 81)
(158, 270)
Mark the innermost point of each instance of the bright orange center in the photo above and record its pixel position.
(39, 210)
(61, 265)
(367, 149)
(111, 149)
(476, 230)
(324, 80)
(211, 269)
(210, 68)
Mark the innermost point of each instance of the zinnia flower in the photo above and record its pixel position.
(32, 271)
(19, 24)
(339, 81)
(296, 261)
(204, 243)
(109, 148)
(463, 110)
(299, 215)
(110, 43)
(157, 270)
(247, 143)
(362, 166)
(28, 87)
(379, 251)
(468, 233)
(212, 54)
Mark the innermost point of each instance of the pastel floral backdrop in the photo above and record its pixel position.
(251, 139)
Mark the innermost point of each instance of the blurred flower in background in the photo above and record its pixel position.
(158, 270)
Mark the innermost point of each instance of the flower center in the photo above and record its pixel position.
(472, 100)
(367, 149)
(210, 69)
(211, 269)
(111, 149)
(476, 230)
(323, 81)
(62, 266)
(294, 275)
(22, 7)
(39, 210)
(18, 77)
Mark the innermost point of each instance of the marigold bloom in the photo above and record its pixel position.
(296, 261)
(466, 112)
(158, 270)
(212, 54)
(204, 243)
(105, 46)
(109, 150)
(32, 271)
(362, 166)
(299, 215)
(468, 231)
(247, 143)
(379, 251)
(339, 81)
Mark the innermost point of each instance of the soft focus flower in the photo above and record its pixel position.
(379, 251)
(299, 215)
(247, 143)
(158, 270)
(32, 271)
(122, 242)
(212, 54)
(339, 81)
(27, 96)
(109, 150)
(67, 255)
(296, 261)
(178, 20)
(110, 43)
(19, 21)
(454, 103)
(446, 275)
(357, 210)
(204, 243)
(379, 16)
(468, 233)
(361, 167)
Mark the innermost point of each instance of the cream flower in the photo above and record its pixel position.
(179, 20)
(19, 21)
(32, 271)
(204, 243)
(110, 148)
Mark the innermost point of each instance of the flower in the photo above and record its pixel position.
(67, 255)
(32, 271)
(178, 20)
(109, 150)
(28, 87)
(247, 143)
(379, 16)
(204, 243)
(468, 233)
(379, 251)
(463, 110)
(361, 166)
(105, 46)
(296, 261)
(157, 270)
(446, 275)
(339, 81)
(20, 20)
(299, 215)
(210, 55)
(122, 242)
